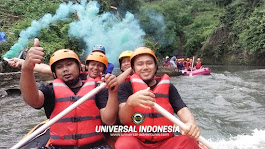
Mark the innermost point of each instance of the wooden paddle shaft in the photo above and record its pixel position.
(59, 116)
(176, 121)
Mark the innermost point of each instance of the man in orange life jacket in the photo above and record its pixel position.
(77, 128)
(135, 96)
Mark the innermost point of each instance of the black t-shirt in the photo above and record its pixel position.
(125, 90)
(101, 98)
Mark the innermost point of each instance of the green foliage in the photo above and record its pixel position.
(236, 16)
(53, 38)
(253, 37)
(172, 26)
(192, 20)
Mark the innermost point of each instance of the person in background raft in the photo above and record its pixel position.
(77, 128)
(139, 94)
(198, 64)
(166, 62)
(172, 61)
(185, 63)
(180, 63)
(100, 48)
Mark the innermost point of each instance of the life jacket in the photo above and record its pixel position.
(127, 79)
(198, 65)
(153, 117)
(77, 127)
(188, 65)
(184, 63)
(84, 74)
(97, 79)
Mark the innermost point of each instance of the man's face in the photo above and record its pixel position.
(125, 63)
(67, 70)
(145, 67)
(95, 69)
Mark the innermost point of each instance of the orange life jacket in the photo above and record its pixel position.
(78, 126)
(153, 117)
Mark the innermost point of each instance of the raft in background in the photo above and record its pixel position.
(202, 71)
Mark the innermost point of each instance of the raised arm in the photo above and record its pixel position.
(41, 68)
(28, 86)
(121, 78)
(110, 112)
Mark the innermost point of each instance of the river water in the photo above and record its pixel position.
(229, 106)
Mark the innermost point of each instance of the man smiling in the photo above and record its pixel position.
(138, 95)
(77, 128)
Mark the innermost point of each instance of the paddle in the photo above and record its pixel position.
(192, 66)
(173, 119)
(59, 116)
(6, 59)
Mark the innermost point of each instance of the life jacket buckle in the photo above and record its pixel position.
(153, 115)
(77, 136)
(74, 98)
(75, 119)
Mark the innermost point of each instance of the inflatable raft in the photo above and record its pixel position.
(42, 140)
(202, 71)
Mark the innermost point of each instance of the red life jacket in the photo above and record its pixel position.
(97, 79)
(78, 126)
(153, 117)
(188, 65)
(85, 73)
(184, 63)
(198, 65)
(127, 79)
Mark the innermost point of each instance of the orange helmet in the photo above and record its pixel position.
(98, 57)
(63, 54)
(142, 50)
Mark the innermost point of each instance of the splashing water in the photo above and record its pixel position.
(254, 141)
(106, 29)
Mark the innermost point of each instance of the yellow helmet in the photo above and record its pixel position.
(126, 53)
(98, 57)
(63, 54)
